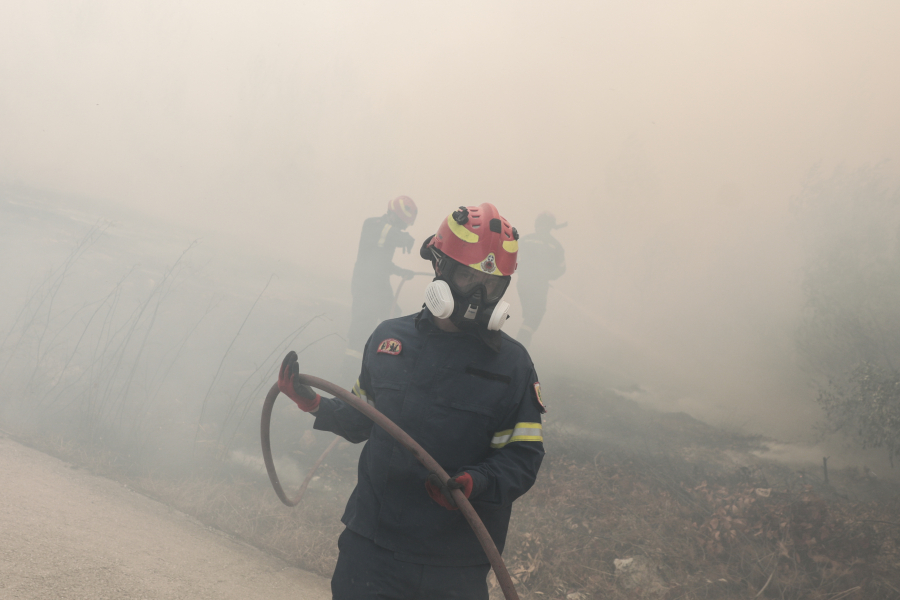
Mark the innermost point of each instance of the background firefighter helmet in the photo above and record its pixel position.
(474, 251)
(546, 222)
(404, 208)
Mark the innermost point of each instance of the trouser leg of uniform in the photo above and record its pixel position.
(534, 305)
(365, 315)
(371, 305)
(365, 571)
(454, 583)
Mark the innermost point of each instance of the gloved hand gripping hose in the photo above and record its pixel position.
(509, 591)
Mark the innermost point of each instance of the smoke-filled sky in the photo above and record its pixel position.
(671, 136)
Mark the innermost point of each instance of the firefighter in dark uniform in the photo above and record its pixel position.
(467, 393)
(545, 261)
(370, 287)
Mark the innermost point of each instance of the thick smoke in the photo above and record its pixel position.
(674, 139)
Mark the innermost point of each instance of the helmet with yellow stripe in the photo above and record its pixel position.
(479, 237)
(404, 208)
(474, 255)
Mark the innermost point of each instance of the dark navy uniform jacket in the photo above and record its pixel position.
(471, 408)
(374, 258)
(546, 261)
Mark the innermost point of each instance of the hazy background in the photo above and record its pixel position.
(675, 139)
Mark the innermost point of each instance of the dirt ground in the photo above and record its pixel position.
(67, 534)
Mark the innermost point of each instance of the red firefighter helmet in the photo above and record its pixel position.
(405, 208)
(477, 236)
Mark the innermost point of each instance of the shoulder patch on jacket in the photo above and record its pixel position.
(390, 346)
(537, 398)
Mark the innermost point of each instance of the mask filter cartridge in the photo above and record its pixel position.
(498, 316)
(439, 299)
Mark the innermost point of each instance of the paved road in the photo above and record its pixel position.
(66, 534)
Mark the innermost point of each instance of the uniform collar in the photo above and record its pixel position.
(491, 339)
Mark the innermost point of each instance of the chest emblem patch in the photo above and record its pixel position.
(390, 346)
(537, 398)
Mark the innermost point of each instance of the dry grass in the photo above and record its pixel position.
(694, 522)
(702, 541)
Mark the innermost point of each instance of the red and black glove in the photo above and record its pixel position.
(307, 399)
(440, 491)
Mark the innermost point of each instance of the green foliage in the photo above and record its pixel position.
(850, 329)
(866, 408)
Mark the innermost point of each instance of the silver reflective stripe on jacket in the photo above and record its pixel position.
(523, 432)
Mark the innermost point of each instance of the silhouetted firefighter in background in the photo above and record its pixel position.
(545, 261)
(370, 287)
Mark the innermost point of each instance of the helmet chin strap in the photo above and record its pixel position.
(465, 313)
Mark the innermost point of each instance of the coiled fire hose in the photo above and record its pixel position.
(503, 578)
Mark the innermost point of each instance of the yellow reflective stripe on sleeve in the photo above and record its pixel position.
(523, 432)
(384, 234)
(361, 393)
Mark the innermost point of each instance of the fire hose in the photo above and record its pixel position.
(490, 549)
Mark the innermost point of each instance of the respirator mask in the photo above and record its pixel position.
(468, 297)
